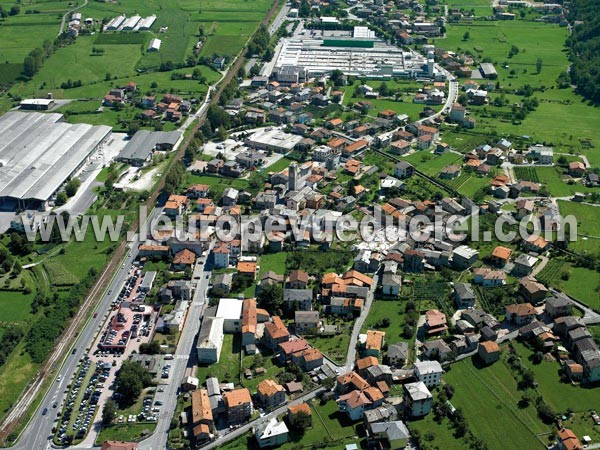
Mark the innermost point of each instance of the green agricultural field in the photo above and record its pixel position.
(579, 128)
(584, 285)
(22, 33)
(488, 398)
(560, 396)
(587, 216)
(76, 62)
(432, 164)
(274, 262)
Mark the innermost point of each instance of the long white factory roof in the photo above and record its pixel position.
(38, 152)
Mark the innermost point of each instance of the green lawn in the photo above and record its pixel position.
(277, 166)
(584, 285)
(272, 369)
(559, 396)
(125, 432)
(328, 430)
(386, 309)
(272, 261)
(433, 164)
(335, 347)
(488, 398)
(15, 306)
(228, 367)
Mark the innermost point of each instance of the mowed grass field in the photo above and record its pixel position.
(227, 23)
(562, 119)
(488, 398)
(558, 395)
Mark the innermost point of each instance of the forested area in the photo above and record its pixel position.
(584, 45)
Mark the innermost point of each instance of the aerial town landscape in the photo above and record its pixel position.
(336, 224)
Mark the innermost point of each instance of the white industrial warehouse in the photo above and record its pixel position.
(359, 54)
(39, 153)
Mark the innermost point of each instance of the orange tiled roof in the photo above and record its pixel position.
(237, 397)
(502, 253)
(366, 362)
(269, 388)
(184, 256)
(201, 409)
(375, 339)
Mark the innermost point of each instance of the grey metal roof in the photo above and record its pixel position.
(39, 152)
(143, 142)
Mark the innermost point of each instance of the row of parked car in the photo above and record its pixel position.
(88, 406)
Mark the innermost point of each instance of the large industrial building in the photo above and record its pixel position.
(359, 54)
(38, 153)
(143, 143)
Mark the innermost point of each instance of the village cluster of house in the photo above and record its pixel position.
(170, 107)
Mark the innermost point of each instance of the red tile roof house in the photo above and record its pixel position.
(288, 348)
(520, 313)
(500, 256)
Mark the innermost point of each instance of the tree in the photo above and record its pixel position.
(14, 10)
(61, 198)
(130, 381)
(271, 297)
(72, 186)
(466, 36)
(384, 90)
(302, 421)
(150, 348)
(109, 412)
(538, 65)
(133, 127)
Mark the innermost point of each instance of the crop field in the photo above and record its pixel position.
(550, 274)
(527, 174)
(488, 397)
(228, 24)
(58, 274)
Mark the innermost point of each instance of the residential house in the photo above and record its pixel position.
(523, 265)
(567, 440)
(297, 279)
(418, 399)
(429, 372)
(270, 393)
(435, 322)
(275, 333)
(350, 381)
(374, 341)
(271, 434)
(307, 322)
(353, 404)
(500, 256)
(183, 259)
(450, 172)
(390, 434)
(397, 354)
(464, 295)
(298, 299)
(558, 305)
(520, 313)
(238, 405)
(403, 170)
(488, 352)
(289, 348)
(296, 411)
(532, 290)
(488, 277)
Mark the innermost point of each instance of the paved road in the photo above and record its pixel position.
(358, 323)
(184, 358)
(67, 14)
(38, 433)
